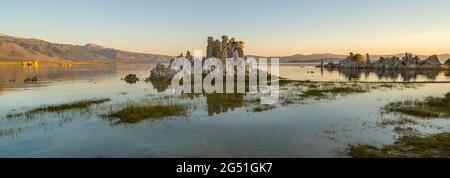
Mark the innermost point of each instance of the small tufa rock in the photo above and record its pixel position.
(161, 72)
(131, 78)
(331, 65)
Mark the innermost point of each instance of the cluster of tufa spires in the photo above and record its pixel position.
(224, 49)
(407, 62)
(215, 49)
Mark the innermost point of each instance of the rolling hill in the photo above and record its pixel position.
(21, 49)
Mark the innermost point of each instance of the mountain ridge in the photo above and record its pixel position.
(23, 49)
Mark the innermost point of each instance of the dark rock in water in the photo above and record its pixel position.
(131, 78)
(331, 65)
(31, 80)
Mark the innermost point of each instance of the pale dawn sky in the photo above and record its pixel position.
(269, 27)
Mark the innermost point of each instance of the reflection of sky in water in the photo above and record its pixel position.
(210, 130)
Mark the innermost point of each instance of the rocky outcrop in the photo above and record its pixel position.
(224, 49)
(352, 61)
(131, 78)
(161, 72)
(387, 63)
(215, 49)
(430, 62)
(407, 62)
(331, 65)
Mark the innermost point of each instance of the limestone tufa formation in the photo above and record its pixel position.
(215, 49)
(432, 61)
(224, 49)
(161, 72)
(131, 78)
(407, 62)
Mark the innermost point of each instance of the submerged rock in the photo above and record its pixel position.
(131, 78)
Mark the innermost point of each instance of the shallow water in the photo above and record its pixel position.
(214, 126)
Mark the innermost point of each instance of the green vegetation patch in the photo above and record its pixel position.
(136, 113)
(400, 121)
(428, 108)
(263, 107)
(83, 104)
(407, 147)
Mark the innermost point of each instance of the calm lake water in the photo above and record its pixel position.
(213, 127)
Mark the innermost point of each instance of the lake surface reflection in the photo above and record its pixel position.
(217, 125)
(309, 72)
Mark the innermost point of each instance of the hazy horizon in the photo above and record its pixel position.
(269, 28)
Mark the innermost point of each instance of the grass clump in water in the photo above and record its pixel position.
(264, 107)
(401, 121)
(83, 104)
(428, 108)
(335, 90)
(434, 146)
(137, 113)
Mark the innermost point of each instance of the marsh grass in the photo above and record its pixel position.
(10, 132)
(304, 91)
(430, 107)
(263, 107)
(400, 121)
(407, 147)
(136, 113)
(56, 108)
